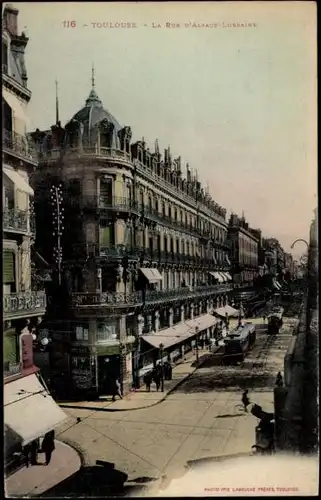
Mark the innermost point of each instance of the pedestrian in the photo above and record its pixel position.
(26, 454)
(279, 380)
(148, 381)
(157, 379)
(245, 399)
(117, 390)
(34, 449)
(263, 319)
(48, 445)
(170, 370)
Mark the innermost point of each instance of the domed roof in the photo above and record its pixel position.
(93, 112)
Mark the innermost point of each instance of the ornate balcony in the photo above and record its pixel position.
(18, 144)
(18, 220)
(106, 299)
(10, 369)
(24, 304)
(155, 296)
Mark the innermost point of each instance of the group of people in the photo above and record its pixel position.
(32, 449)
(160, 372)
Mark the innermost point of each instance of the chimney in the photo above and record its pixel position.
(10, 18)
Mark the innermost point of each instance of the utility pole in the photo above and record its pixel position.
(161, 353)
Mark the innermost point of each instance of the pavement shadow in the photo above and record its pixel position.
(99, 480)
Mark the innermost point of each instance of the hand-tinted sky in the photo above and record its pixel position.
(238, 104)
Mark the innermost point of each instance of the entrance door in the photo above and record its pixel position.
(108, 372)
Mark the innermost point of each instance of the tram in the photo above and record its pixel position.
(238, 343)
(275, 320)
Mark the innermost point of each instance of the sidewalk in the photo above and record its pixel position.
(140, 398)
(37, 479)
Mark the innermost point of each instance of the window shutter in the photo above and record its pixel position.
(8, 267)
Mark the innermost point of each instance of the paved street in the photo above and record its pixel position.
(201, 419)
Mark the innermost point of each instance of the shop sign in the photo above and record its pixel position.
(108, 350)
(79, 351)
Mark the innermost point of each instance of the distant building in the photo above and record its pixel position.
(144, 249)
(244, 250)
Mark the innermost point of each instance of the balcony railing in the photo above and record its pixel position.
(118, 203)
(18, 144)
(184, 292)
(22, 304)
(18, 220)
(10, 369)
(111, 299)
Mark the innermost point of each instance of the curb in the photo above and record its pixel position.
(83, 455)
(180, 382)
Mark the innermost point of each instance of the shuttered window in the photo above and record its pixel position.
(106, 236)
(8, 267)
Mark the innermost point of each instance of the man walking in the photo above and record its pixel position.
(117, 390)
(48, 445)
(245, 400)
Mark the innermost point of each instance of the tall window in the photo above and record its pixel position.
(82, 333)
(165, 244)
(106, 332)
(150, 202)
(177, 246)
(8, 270)
(141, 198)
(4, 56)
(106, 236)
(163, 208)
(106, 192)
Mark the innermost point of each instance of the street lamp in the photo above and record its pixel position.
(161, 348)
(58, 218)
(196, 346)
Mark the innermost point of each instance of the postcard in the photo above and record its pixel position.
(160, 249)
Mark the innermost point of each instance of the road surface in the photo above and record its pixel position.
(202, 419)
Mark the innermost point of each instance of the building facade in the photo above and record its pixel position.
(244, 251)
(21, 305)
(143, 249)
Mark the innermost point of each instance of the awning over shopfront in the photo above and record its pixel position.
(229, 277)
(19, 182)
(221, 311)
(224, 278)
(217, 276)
(180, 332)
(15, 106)
(151, 274)
(29, 411)
(276, 285)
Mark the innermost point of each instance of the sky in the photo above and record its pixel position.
(238, 103)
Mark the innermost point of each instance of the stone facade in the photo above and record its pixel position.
(141, 244)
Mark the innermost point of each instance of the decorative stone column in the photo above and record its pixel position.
(200, 308)
(171, 316)
(156, 321)
(122, 350)
(182, 313)
(140, 325)
(208, 306)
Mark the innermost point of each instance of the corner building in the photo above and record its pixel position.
(144, 249)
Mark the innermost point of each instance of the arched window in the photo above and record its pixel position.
(177, 246)
(156, 206)
(175, 213)
(150, 202)
(4, 56)
(169, 211)
(163, 208)
(187, 248)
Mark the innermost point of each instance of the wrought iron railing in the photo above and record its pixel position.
(106, 299)
(10, 369)
(18, 220)
(22, 303)
(184, 292)
(18, 144)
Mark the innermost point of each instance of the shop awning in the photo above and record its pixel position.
(221, 311)
(229, 277)
(278, 285)
(19, 182)
(224, 278)
(15, 106)
(151, 274)
(217, 276)
(180, 332)
(29, 410)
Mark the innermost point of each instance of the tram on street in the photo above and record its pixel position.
(275, 320)
(238, 343)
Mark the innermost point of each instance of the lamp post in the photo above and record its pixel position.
(122, 350)
(161, 351)
(196, 346)
(58, 218)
